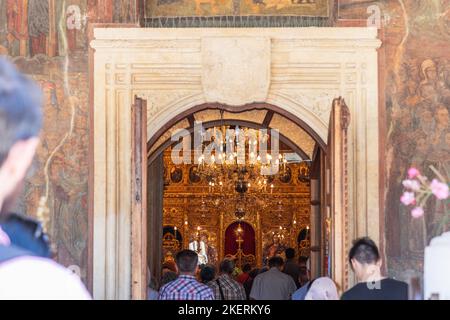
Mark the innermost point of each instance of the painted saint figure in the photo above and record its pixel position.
(73, 22)
(274, 249)
(38, 26)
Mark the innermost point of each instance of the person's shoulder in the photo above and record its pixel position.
(204, 289)
(353, 293)
(171, 284)
(297, 294)
(395, 282)
(234, 281)
(33, 277)
(203, 286)
(286, 277)
(212, 284)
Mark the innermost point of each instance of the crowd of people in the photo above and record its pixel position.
(288, 279)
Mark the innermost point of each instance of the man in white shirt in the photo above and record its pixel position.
(199, 246)
(23, 274)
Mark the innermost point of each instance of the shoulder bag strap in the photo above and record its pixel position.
(222, 296)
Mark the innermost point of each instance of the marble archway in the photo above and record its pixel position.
(299, 70)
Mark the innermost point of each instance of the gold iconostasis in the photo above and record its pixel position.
(218, 222)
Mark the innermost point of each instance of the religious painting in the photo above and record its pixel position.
(286, 175)
(207, 8)
(304, 172)
(176, 174)
(194, 176)
(273, 245)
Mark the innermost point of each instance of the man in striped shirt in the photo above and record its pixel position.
(225, 287)
(186, 286)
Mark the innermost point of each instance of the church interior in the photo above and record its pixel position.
(235, 210)
(358, 91)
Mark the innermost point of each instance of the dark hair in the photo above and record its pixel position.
(276, 262)
(263, 269)
(364, 250)
(303, 275)
(290, 253)
(167, 277)
(254, 273)
(227, 266)
(207, 273)
(247, 267)
(187, 261)
(303, 259)
(20, 108)
(170, 265)
(303, 271)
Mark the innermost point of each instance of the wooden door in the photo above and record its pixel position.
(336, 176)
(139, 200)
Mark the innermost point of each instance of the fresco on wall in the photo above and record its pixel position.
(47, 39)
(417, 93)
(176, 8)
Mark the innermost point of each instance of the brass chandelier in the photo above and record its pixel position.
(236, 164)
(239, 174)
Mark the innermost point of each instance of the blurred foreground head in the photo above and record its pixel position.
(20, 123)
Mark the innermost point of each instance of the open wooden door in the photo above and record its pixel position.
(336, 174)
(139, 200)
(155, 200)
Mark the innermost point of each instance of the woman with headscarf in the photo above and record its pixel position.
(322, 289)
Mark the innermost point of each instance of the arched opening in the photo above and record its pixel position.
(207, 218)
(240, 243)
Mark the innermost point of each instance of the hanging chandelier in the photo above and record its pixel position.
(239, 160)
(240, 165)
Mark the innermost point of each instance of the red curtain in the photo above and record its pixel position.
(248, 235)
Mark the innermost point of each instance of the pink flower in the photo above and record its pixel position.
(413, 173)
(413, 185)
(417, 212)
(4, 239)
(408, 198)
(439, 189)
